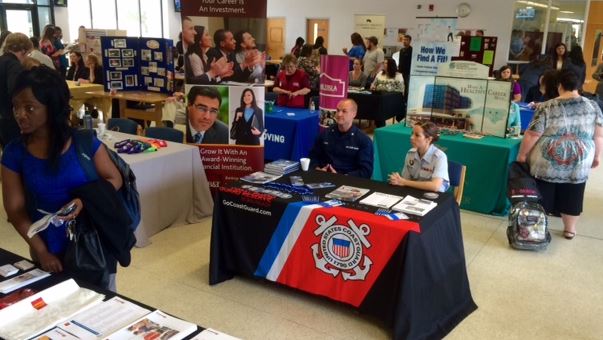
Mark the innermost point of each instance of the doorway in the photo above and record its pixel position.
(315, 28)
(275, 42)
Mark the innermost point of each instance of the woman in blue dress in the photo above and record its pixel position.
(42, 164)
(358, 49)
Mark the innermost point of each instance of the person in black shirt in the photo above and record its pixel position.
(343, 148)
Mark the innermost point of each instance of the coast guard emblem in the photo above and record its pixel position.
(341, 248)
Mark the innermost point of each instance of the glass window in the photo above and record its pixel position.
(17, 1)
(103, 14)
(44, 17)
(79, 15)
(19, 20)
(129, 17)
(566, 24)
(150, 17)
(44, 2)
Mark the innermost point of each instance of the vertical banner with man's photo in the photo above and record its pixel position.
(224, 62)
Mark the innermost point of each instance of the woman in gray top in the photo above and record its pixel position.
(357, 77)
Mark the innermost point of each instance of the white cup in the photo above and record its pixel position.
(101, 129)
(305, 163)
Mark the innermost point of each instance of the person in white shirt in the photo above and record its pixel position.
(39, 56)
(388, 79)
(425, 166)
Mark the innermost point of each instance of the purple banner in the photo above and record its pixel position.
(333, 80)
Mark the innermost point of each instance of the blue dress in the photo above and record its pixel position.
(356, 51)
(49, 189)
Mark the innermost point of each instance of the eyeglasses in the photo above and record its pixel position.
(204, 109)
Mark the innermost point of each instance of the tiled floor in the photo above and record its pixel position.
(554, 294)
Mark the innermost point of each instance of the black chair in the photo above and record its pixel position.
(456, 175)
(165, 133)
(122, 125)
(270, 96)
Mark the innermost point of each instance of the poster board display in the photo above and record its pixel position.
(137, 64)
(472, 105)
(89, 40)
(496, 111)
(478, 49)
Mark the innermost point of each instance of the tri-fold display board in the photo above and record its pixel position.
(138, 64)
(475, 105)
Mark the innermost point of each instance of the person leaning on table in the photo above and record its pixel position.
(343, 148)
(425, 166)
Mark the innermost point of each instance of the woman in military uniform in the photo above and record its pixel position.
(425, 166)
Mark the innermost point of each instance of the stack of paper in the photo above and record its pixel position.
(415, 206)
(281, 167)
(260, 177)
(381, 200)
(347, 193)
(22, 280)
(98, 321)
(156, 325)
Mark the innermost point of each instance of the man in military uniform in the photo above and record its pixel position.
(343, 148)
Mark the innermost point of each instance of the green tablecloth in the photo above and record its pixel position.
(487, 162)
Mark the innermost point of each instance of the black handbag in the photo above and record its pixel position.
(85, 256)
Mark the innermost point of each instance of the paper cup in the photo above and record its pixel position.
(101, 129)
(305, 163)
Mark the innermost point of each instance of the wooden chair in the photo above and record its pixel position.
(165, 133)
(456, 175)
(124, 125)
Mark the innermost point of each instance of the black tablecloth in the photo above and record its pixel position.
(7, 257)
(379, 106)
(423, 291)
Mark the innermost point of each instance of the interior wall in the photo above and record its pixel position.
(494, 16)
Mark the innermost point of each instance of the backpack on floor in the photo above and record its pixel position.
(128, 192)
(528, 223)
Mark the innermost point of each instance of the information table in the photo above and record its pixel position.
(172, 185)
(378, 106)
(411, 275)
(487, 160)
(7, 257)
(290, 133)
(151, 114)
(526, 113)
(80, 95)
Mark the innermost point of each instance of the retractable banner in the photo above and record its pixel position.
(223, 46)
(333, 80)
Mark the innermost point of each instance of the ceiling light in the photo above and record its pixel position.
(537, 4)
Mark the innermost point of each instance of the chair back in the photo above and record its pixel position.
(456, 175)
(270, 96)
(165, 133)
(122, 125)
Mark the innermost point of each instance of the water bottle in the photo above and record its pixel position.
(87, 121)
(312, 106)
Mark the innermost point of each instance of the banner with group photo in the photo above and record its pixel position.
(224, 46)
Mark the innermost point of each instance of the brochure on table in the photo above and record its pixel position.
(45, 309)
(137, 64)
